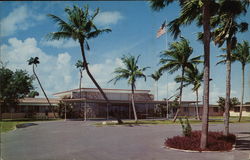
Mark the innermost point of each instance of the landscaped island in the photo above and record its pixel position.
(216, 142)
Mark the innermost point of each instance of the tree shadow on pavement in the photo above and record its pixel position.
(24, 125)
(243, 141)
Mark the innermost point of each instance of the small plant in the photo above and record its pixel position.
(186, 127)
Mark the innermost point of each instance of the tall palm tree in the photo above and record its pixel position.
(80, 27)
(156, 76)
(79, 65)
(242, 55)
(131, 72)
(178, 57)
(34, 61)
(193, 11)
(226, 31)
(195, 77)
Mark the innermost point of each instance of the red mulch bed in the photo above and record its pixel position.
(216, 142)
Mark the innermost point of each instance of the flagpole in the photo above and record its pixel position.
(166, 41)
(166, 49)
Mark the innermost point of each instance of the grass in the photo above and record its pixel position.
(212, 120)
(152, 122)
(7, 125)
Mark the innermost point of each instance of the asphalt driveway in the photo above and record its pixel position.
(77, 140)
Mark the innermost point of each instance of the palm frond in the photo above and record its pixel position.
(79, 25)
(159, 4)
(221, 62)
(131, 71)
(179, 79)
(117, 78)
(156, 75)
(197, 59)
(243, 26)
(79, 64)
(59, 35)
(95, 13)
(139, 74)
(97, 33)
(63, 26)
(174, 28)
(33, 60)
(87, 45)
(170, 67)
(200, 36)
(242, 53)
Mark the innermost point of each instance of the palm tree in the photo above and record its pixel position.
(226, 32)
(233, 102)
(242, 55)
(195, 77)
(34, 61)
(156, 76)
(80, 27)
(33, 94)
(131, 72)
(81, 68)
(178, 57)
(201, 11)
(194, 11)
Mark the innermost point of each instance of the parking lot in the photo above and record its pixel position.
(78, 140)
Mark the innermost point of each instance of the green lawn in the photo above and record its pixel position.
(212, 120)
(131, 122)
(8, 124)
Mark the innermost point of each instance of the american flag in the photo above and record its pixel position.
(162, 30)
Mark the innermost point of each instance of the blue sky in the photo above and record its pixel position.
(24, 26)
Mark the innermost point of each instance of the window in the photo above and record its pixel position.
(215, 109)
(236, 109)
(18, 109)
(186, 109)
(247, 109)
(36, 109)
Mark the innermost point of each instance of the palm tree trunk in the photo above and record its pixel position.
(180, 95)
(197, 108)
(85, 64)
(133, 103)
(228, 89)
(80, 88)
(157, 89)
(242, 91)
(206, 41)
(51, 108)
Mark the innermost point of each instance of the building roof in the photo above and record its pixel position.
(106, 90)
(244, 105)
(119, 101)
(38, 101)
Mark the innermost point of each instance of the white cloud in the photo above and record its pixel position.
(19, 19)
(107, 18)
(63, 43)
(55, 72)
(163, 88)
(102, 72)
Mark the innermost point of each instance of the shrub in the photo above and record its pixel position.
(186, 127)
(216, 141)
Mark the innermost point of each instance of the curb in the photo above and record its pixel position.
(193, 151)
